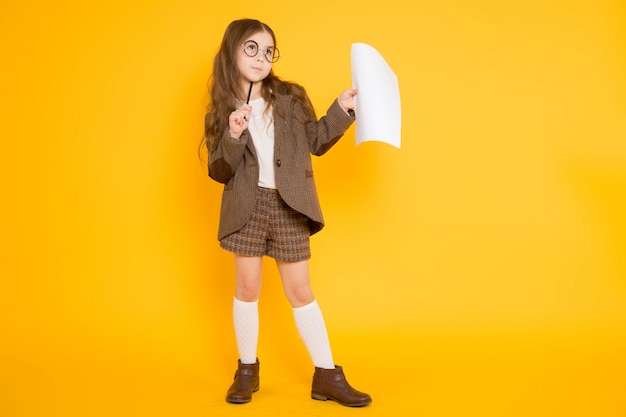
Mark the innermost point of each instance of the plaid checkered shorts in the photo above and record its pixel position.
(274, 229)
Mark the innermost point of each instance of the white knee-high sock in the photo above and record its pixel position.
(246, 322)
(312, 329)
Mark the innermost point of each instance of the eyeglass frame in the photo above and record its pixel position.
(275, 55)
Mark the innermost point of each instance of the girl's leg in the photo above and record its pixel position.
(245, 306)
(246, 323)
(329, 381)
(306, 311)
(248, 277)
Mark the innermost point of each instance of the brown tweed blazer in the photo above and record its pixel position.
(296, 137)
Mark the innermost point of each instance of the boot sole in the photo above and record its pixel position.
(242, 400)
(322, 397)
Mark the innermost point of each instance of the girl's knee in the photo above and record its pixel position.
(300, 297)
(247, 291)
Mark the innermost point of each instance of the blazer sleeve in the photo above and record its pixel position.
(226, 157)
(324, 133)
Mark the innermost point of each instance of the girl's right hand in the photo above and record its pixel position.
(238, 120)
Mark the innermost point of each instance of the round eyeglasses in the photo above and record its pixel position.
(251, 48)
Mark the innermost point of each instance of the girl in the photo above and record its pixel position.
(260, 132)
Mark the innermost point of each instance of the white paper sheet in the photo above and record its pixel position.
(377, 105)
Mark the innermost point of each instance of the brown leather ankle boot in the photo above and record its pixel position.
(331, 384)
(246, 382)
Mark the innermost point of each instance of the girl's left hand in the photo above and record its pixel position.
(346, 99)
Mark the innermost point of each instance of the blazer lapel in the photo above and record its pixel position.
(283, 102)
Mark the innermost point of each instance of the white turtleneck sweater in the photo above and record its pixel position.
(261, 127)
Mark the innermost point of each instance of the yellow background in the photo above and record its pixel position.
(480, 270)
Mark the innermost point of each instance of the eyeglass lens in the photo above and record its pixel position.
(251, 48)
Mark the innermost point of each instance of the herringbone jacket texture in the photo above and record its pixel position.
(296, 136)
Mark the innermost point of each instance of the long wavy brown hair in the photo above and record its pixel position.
(225, 87)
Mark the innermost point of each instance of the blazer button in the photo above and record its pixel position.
(278, 162)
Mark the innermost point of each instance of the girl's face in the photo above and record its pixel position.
(255, 68)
